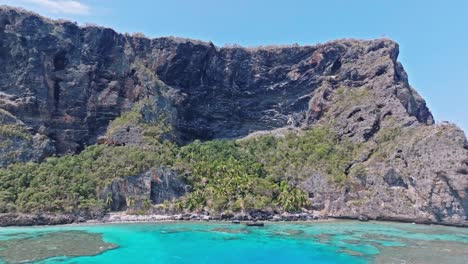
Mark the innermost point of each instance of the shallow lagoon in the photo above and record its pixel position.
(199, 242)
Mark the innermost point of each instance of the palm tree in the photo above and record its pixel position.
(179, 206)
(146, 203)
(109, 199)
(130, 202)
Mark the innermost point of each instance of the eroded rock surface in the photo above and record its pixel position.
(80, 78)
(151, 187)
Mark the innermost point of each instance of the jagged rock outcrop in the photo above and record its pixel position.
(419, 176)
(18, 144)
(78, 79)
(151, 187)
(63, 84)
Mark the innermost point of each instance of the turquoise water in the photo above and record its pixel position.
(188, 242)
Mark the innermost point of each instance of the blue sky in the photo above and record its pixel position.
(433, 35)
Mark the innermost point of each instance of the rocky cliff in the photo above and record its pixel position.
(62, 85)
(68, 82)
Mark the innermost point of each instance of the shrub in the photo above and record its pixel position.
(13, 130)
(252, 174)
(297, 156)
(72, 182)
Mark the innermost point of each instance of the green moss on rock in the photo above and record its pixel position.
(15, 131)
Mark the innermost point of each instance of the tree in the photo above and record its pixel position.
(130, 202)
(109, 200)
(146, 204)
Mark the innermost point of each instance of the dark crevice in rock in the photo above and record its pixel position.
(154, 191)
(336, 66)
(206, 60)
(60, 61)
(430, 203)
(409, 123)
(393, 179)
(372, 131)
(387, 114)
(80, 147)
(355, 111)
(348, 168)
(56, 95)
(365, 157)
(380, 71)
(3, 23)
(437, 216)
(446, 209)
(411, 181)
(396, 76)
(452, 190)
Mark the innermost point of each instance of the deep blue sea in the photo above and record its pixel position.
(207, 242)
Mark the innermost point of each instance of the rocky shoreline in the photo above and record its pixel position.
(286, 217)
(12, 219)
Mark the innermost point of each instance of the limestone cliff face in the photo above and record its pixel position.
(154, 186)
(68, 82)
(421, 175)
(63, 84)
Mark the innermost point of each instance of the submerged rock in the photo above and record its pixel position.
(54, 244)
(18, 219)
(421, 251)
(259, 224)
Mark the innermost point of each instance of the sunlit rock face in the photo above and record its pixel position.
(67, 82)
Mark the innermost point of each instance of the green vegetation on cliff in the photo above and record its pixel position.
(295, 156)
(15, 131)
(259, 173)
(226, 176)
(72, 182)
